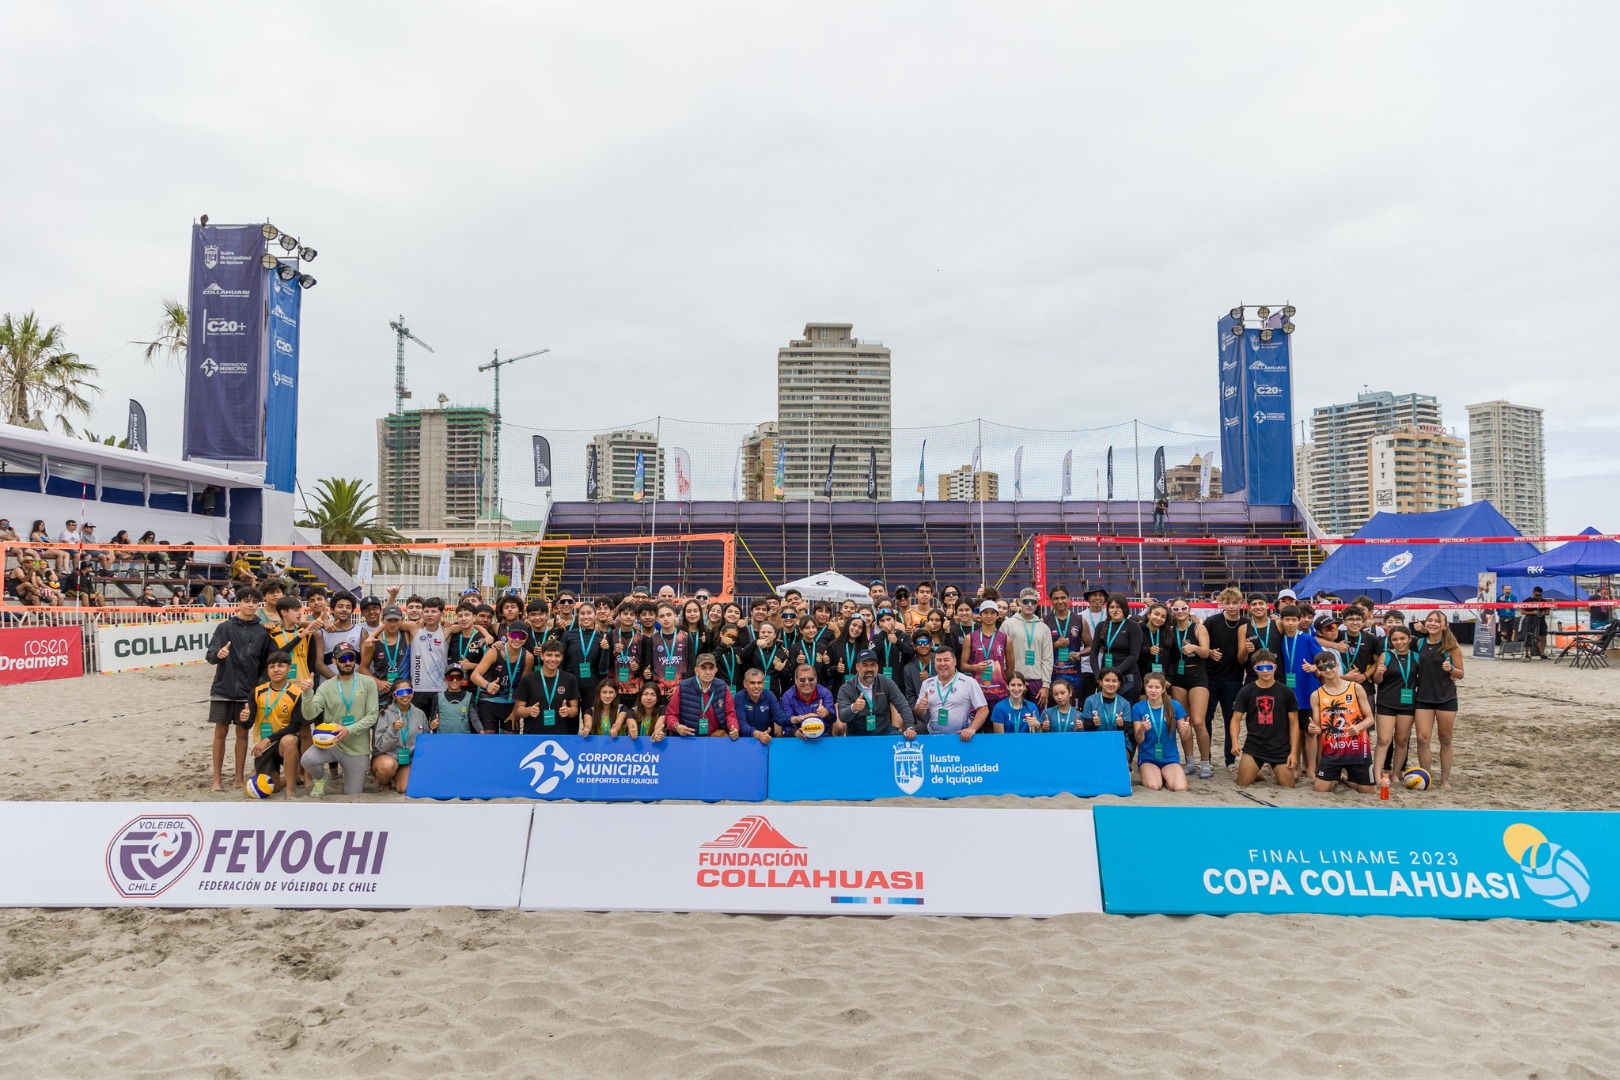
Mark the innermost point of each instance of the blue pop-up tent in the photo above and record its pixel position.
(1572, 559)
(1391, 571)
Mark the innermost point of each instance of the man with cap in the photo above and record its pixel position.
(385, 653)
(702, 704)
(546, 701)
(1029, 646)
(890, 643)
(871, 703)
(1094, 615)
(349, 701)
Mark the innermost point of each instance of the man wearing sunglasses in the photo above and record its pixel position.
(1269, 713)
(350, 702)
(1029, 647)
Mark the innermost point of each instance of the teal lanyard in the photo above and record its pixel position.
(815, 646)
(1156, 723)
(887, 654)
(770, 660)
(1265, 639)
(1110, 713)
(1405, 669)
(987, 650)
(392, 655)
(1157, 659)
(1063, 627)
(1352, 650)
(348, 699)
(584, 649)
(511, 680)
(945, 690)
(1181, 640)
(849, 660)
(1064, 723)
(703, 703)
(270, 708)
(625, 648)
(667, 648)
(551, 694)
(1108, 646)
(731, 668)
(1290, 644)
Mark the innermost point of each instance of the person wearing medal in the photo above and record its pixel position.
(1395, 703)
(1158, 720)
(950, 702)
(546, 701)
(350, 702)
(702, 705)
(497, 676)
(276, 718)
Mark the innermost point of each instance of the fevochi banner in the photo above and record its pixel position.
(136, 438)
(1462, 864)
(1161, 487)
(945, 767)
(1229, 341)
(37, 653)
(151, 645)
(590, 768)
(225, 377)
(289, 856)
(281, 396)
(812, 860)
(1268, 415)
(542, 462)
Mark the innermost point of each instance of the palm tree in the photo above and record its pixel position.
(38, 375)
(171, 334)
(345, 513)
(110, 440)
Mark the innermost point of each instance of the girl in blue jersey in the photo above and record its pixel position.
(1015, 715)
(1062, 715)
(1160, 724)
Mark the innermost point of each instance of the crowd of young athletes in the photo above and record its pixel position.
(1342, 697)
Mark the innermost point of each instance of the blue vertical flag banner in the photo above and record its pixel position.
(1068, 474)
(1268, 414)
(922, 469)
(281, 396)
(640, 490)
(1110, 474)
(1229, 338)
(225, 376)
(779, 485)
(871, 473)
(832, 452)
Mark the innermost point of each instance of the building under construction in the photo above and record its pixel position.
(433, 468)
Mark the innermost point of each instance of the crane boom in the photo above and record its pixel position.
(401, 335)
(495, 365)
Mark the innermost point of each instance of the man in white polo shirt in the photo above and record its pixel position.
(950, 702)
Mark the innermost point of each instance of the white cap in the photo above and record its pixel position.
(1288, 594)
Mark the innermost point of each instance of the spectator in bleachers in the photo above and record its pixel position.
(118, 559)
(155, 560)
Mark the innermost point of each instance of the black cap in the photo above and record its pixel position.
(864, 655)
(345, 649)
(370, 601)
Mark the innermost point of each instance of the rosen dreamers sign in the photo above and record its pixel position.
(37, 653)
(267, 854)
(128, 648)
(812, 860)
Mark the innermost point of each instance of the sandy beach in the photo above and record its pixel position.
(232, 993)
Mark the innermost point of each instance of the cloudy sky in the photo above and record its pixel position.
(1041, 208)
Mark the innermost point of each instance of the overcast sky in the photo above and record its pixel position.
(1041, 208)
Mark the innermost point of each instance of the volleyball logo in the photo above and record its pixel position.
(1553, 873)
(151, 853)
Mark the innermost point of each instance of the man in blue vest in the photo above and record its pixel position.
(700, 705)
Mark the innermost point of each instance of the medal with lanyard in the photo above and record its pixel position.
(624, 659)
(391, 656)
(988, 676)
(1063, 631)
(585, 652)
(269, 710)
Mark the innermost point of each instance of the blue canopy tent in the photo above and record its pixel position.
(1443, 572)
(1575, 558)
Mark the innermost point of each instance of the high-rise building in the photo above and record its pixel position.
(1338, 494)
(1507, 462)
(433, 468)
(1413, 470)
(965, 485)
(616, 464)
(1185, 483)
(833, 389)
(759, 462)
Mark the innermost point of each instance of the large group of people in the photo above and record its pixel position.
(71, 566)
(1343, 697)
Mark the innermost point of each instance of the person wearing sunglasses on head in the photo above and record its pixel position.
(396, 735)
(1268, 714)
(1030, 647)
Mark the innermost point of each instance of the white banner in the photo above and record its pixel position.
(368, 559)
(129, 648)
(253, 854)
(488, 576)
(812, 860)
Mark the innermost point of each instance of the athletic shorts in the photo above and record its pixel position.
(1194, 679)
(1396, 710)
(427, 701)
(493, 714)
(1265, 758)
(1360, 773)
(1160, 764)
(228, 712)
(1438, 706)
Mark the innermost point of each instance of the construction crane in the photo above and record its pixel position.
(495, 365)
(401, 335)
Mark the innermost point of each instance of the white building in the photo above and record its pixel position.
(1507, 462)
(1337, 492)
(833, 389)
(616, 464)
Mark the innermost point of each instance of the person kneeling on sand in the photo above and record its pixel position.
(1342, 719)
(275, 715)
(1268, 715)
(349, 702)
(1159, 719)
(395, 742)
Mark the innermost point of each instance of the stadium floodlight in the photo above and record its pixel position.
(287, 272)
(1288, 311)
(268, 261)
(305, 281)
(288, 243)
(1265, 335)
(1288, 328)
(1264, 312)
(307, 254)
(1237, 313)
(270, 231)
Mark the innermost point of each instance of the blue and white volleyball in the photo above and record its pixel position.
(1416, 779)
(1552, 872)
(260, 786)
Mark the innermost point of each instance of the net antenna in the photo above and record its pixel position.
(401, 335)
(495, 365)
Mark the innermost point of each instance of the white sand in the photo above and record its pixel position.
(136, 993)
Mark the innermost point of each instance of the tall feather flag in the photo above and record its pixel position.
(683, 475)
(639, 492)
(832, 453)
(1018, 474)
(1068, 474)
(779, 485)
(1110, 474)
(922, 469)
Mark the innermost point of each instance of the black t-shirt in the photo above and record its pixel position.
(584, 649)
(468, 647)
(1267, 638)
(1265, 712)
(537, 688)
(1400, 673)
(1223, 636)
(1358, 654)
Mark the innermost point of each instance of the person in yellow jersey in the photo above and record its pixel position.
(275, 718)
(1341, 719)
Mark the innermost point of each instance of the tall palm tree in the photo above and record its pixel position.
(345, 513)
(171, 334)
(38, 375)
(110, 440)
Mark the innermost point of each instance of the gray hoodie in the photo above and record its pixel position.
(389, 741)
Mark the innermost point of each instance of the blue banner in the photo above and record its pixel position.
(1268, 413)
(593, 769)
(281, 397)
(945, 767)
(225, 376)
(1233, 462)
(1450, 864)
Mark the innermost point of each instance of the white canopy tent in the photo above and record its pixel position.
(831, 586)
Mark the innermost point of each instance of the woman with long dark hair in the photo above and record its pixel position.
(1117, 643)
(1440, 669)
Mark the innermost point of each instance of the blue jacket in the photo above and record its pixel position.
(758, 715)
(687, 699)
(1302, 651)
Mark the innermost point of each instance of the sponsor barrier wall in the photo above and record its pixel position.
(813, 860)
(1450, 864)
(37, 653)
(129, 648)
(595, 768)
(260, 855)
(945, 767)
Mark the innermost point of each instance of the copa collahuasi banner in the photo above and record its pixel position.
(590, 768)
(945, 767)
(261, 854)
(813, 860)
(225, 344)
(149, 645)
(1449, 864)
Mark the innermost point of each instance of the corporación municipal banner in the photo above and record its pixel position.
(945, 767)
(1456, 864)
(812, 860)
(587, 768)
(37, 653)
(127, 648)
(269, 854)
